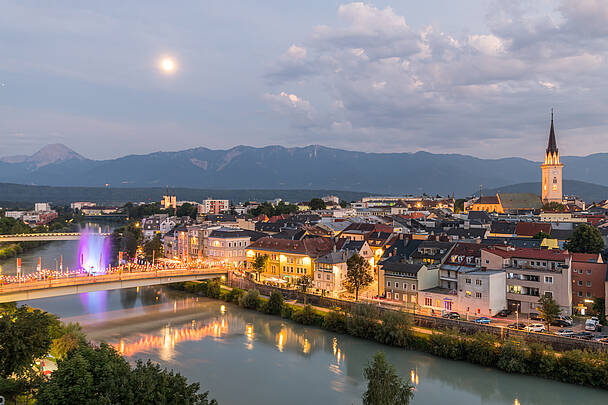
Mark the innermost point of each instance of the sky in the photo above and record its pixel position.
(475, 77)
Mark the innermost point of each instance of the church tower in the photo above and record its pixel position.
(552, 171)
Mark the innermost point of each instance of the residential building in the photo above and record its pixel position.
(214, 207)
(331, 199)
(15, 214)
(531, 274)
(79, 204)
(431, 253)
(402, 281)
(229, 245)
(330, 271)
(289, 259)
(588, 278)
(481, 292)
(42, 207)
(150, 226)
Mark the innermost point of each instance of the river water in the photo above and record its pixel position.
(245, 357)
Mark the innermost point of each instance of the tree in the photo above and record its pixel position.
(187, 210)
(317, 204)
(71, 338)
(275, 303)
(304, 282)
(599, 307)
(585, 239)
(343, 204)
(541, 235)
(259, 264)
(357, 275)
(554, 206)
(153, 248)
(549, 309)
(100, 375)
(384, 386)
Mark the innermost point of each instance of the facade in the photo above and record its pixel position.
(330, 271)
(214, 207)
(402, 281)
(42, 207)
(229, 245)
(150, 226)
(481, 292)
(79, 204)
(169, 201)
(588, 278)
(331, 199)
(552, 171)
(531, 274)
(289, 259)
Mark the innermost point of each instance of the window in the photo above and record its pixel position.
(413, 299)
(396, 284)
(328, 277)
(388, 283)
(318, 275)
(428, 302)
(468, 281)
(467, 293)
(580, 293)
(404, 297)
(413, 287)
(477, 282)
(396, 296)
(549, 279)
(477, 295)
(580, 283)
(588, 283)
(588, 271)
(548, 294)
(588, 294)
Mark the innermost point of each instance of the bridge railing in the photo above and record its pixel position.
(101, 278)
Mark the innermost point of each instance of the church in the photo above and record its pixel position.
(552, 171)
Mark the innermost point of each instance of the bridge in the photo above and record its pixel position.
(33, 237)
(36, 289)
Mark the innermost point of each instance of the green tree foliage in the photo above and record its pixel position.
(358, 275)
(251, 300)
(304, 282)
(259, 264)
(363, 321)
(599, 307)
(25, 335)
(127, 238)
(384, 386)
(554, 207)
(585, 239)
(138, 211)
(549, 309)
(395, 328)
(307, 316)
(153, 248)
(459, 205)
(12, 226)
(541, 235)
(213, 289)
(275, 303)
(335, 321)
(343, 204)
(187, 210)
(317, 204)
(100, 375)
(269, 210)
(71, 338)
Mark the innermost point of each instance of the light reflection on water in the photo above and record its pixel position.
(276, 361)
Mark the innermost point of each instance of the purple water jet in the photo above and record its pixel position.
(93, 252)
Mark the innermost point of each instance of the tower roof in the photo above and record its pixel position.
(552, 146)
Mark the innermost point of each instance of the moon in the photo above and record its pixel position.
(167, 65)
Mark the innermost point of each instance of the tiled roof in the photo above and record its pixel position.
(585, 257)
(503, 227)
(313, 247)
(532, 228)
(520, 201)
(528, 253)
(487, 199)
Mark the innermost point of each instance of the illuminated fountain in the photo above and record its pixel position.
(93, 252)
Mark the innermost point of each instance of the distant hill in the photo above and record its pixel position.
(12, 194)
(587, 191)
(279, 168)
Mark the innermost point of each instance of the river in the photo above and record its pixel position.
(242, 356)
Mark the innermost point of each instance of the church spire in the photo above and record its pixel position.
(552, 147)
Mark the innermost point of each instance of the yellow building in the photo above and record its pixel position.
(288, 259)
(552, 171)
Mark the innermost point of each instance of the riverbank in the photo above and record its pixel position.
(395, 329)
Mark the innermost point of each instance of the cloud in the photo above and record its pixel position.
(435, 90)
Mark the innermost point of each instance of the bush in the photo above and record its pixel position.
(395, 329)
(274, 306)
(541, 360)
(512, 358)
(335, 321)
(213, 289)
(251, 300)
(286, 312)
(234, 295)
(363, 321)
(480, 349)
(306, 316)
(446, 345)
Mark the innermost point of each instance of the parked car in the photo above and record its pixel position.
(535, 317)
(536, 327)
(566, 318)
(562, 323)
(583, 335)
(483, 320)
(592, 325)
(452, 315)
(518, 326)
(601, 337)
(504, 313)
(565, 332)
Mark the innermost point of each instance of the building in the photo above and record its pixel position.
(531, 274)
(402, 281)
(481, 292)
(151, 225)
(331, 199)
(289, 259)
(78, 205)
(214, 207)
(330, 271)
(229, 245)
(15, 214)
(42, 207)
(505, 203)
(552, 171)
(169, 200)
(588, 278)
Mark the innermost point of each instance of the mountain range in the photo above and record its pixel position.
(310, 167)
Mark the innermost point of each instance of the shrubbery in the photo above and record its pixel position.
(251, 300)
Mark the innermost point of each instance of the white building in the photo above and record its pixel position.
(331, 199)
(42, 207)
(15, 214)
(211, 206)
(78, 205)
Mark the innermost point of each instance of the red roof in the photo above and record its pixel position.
(313, 247)
(532, 228)
(586, 257)
(529, 253)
